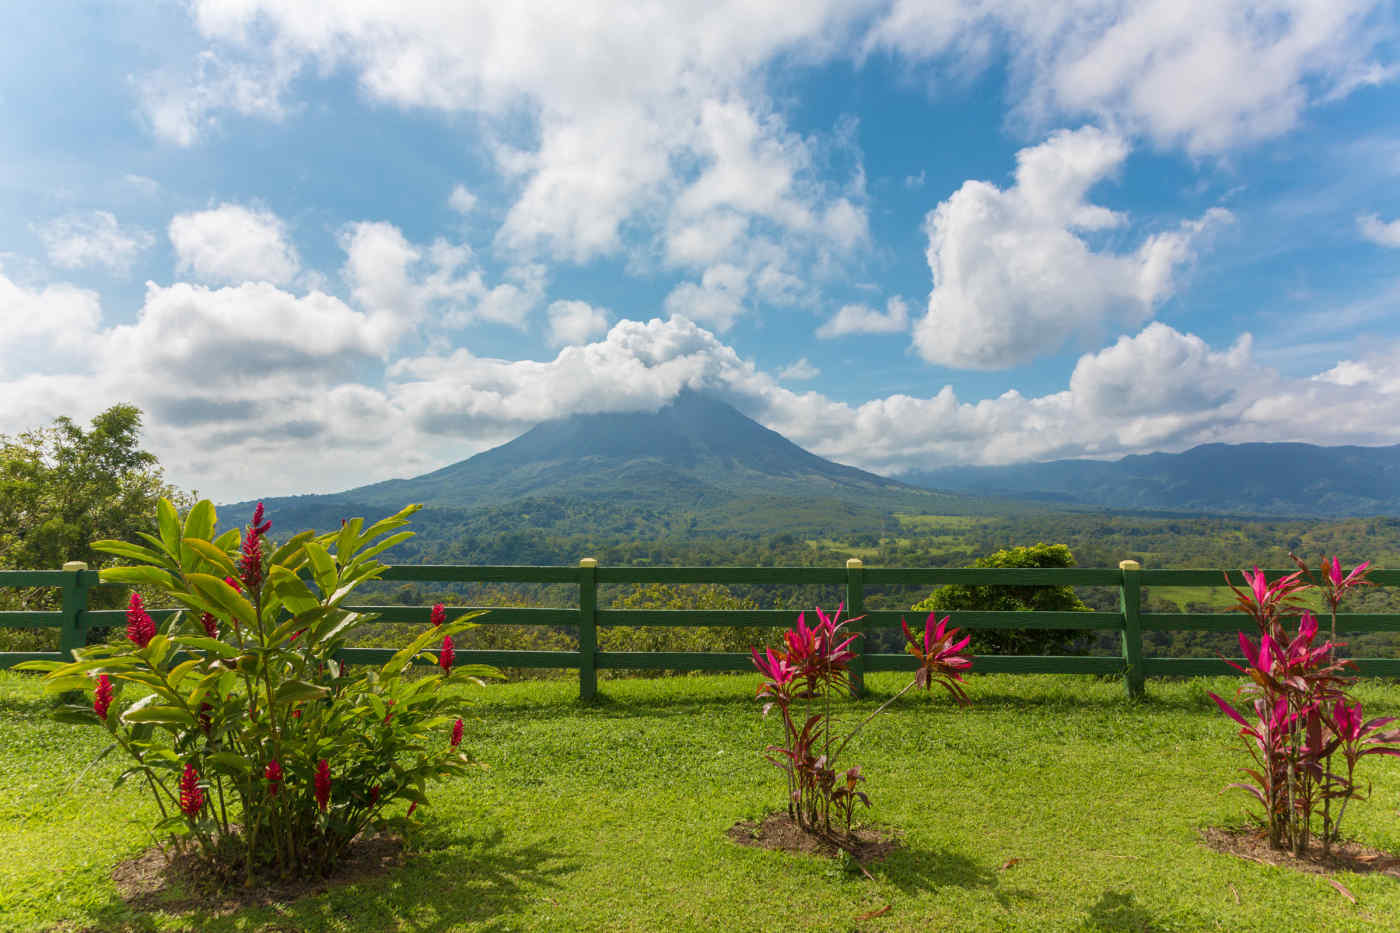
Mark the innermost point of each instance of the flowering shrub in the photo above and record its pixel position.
(800, 680)
(264, 753)
(1302, 715)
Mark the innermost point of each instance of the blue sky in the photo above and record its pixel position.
(326, 244)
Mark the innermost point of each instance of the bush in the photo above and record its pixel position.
(962, 598)
(265, 754)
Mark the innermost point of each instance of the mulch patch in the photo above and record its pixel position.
(1253, 844)
(780, 832)
(160, 879)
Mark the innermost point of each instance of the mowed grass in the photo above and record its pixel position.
(1053, 804)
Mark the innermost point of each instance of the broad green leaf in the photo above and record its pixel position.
(284, 554)
(322, 566)
(231, 762)
(169, 521)
(162, 715)
(199, 522)
(221, 594)
(77, 715)
(40, 665)
(141, 576)
(132, 551)
(213, 555)
(178, 672)
(385, 525)
(348, 541)
(229, 540)
(205, 643)
(383, 546)
(297, 691)
(414, 794)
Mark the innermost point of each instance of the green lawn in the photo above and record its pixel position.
(612, 817)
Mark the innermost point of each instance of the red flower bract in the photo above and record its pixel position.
(191, 794)
(250, 564)
(323, 784)
(102, 696)
(448, 655)
(139, 626)
(439, 616)
(211, 624)
(273, 775)
(457, 732)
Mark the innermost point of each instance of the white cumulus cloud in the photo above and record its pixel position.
(95, 238)
(1380, 232)
(1014, 275)
(573, 322)
(230, 244)
(862, 319)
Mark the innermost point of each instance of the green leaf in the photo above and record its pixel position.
(414, 794)
(213, 555)
(349, 538)
(77, 715)
(322, 566)
(205, 643)
(231, 762)
(297, 691)
(229, 540)
(140, 576)
(178, 673)
(40, 665)
(383, 546)
(161, 715)
(200, 521)
(386, 525)
(226, 597)
(132, 551)
(284, 554)
(169, 521)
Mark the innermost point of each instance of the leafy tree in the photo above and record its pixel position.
(63, 487)
(1017, 599)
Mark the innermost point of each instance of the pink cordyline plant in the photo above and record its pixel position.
(1302, 712)
(140, 628)
(809, 669)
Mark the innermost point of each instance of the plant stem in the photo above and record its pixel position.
(861, 725)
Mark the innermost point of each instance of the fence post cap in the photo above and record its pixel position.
(1129, 565)
(75, 565)
(588, 562)
(853, 563)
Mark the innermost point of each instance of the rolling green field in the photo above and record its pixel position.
(612, 816)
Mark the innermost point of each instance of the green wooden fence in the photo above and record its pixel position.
(74, 619)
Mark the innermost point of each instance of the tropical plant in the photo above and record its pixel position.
(1301, 713)
(802, 678)
(266, 755)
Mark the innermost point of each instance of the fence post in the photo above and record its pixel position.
(587, 628)
(75, 591)
(1130, 601)
(855, 606)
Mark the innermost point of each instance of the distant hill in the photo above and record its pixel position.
(695, 464)
(1253, 479)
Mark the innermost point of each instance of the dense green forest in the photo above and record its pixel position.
(1097, 539)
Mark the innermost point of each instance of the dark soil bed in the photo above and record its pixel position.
(780, 832)
(160, 879)
(1253, 844)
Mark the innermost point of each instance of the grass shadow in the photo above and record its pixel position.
(915, 871)
(1118, 912)
(475, 881)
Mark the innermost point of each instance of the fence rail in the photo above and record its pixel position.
(74, 619)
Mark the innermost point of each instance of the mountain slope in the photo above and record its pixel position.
(1258, 479)
(695, 464)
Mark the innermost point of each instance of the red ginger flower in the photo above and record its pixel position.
(448, 655)
(323, 784)
(390, 713)
(211, 624)
(273, 774)
(457, 732)
(139, 626)
(439, 616)
(250, 564)
(191, 794)
(102, 696)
